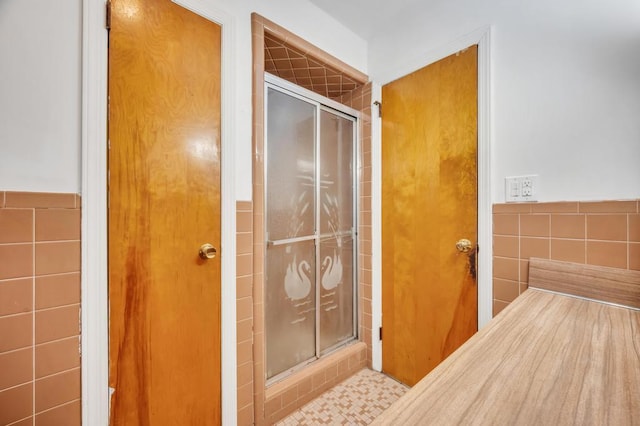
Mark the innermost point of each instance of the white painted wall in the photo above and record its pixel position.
(40, 83)
(40, 80)
(566, 86)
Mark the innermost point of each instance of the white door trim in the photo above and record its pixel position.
(481, 37)
(95, 332)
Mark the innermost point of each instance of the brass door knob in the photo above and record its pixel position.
(464, 245)
(207, 251)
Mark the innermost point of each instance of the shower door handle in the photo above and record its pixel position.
(207, 251)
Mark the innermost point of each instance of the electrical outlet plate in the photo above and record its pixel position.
(521, 189)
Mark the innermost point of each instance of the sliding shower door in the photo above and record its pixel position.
(310, 222)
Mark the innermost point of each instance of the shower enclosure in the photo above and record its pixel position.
(310, 262)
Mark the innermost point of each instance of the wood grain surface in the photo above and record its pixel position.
(429, 202)
(613, 285)
(164, 164)
(547, 359)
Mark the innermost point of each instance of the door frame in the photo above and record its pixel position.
(94, 297)
(481, 37)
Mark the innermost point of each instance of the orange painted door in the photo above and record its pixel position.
(164, 203)
(429, 203)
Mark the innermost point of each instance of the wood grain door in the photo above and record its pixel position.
(164, 203)
(429, 202)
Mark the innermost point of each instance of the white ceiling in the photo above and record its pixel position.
(365, 17)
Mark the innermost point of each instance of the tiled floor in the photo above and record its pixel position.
(356, 401)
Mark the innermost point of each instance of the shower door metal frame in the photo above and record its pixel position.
(321, 104)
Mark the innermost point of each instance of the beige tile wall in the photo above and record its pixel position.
(244, 310)
(360, 99)
(603, 233)
(39, 308)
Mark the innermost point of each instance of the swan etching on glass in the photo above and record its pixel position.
(332, 272)
(296, 282)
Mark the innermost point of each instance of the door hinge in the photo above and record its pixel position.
(379, 105)
(380, 333)
(107, 23)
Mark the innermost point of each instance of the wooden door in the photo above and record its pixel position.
(429, 202)
(164, 203)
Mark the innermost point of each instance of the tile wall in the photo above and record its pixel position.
(39, 309)
(244, 310)
(360, 99)
(603, 233)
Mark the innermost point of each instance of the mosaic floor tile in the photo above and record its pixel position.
(356, 401)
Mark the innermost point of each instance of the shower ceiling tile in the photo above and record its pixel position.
(302, 68)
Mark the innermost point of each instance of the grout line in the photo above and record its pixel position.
(58, 274)
(21, 420)
(21, 243)
(519, 243)
(16, 315)
(549, 237)
(30, 381)
(57, 373)
(75, 336)
(57, 406)
(55, 241)
(33, 316)
(57, 307)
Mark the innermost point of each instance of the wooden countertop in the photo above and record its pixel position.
(547, 359)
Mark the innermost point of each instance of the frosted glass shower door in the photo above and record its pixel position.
(336, 229)
(290, 291)
(309, 217)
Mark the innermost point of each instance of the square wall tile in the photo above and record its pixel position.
(535, 225)
(57, 323)
(498, 306)
(57, 290)
(16, 403)
(16, 296)
(57, 257)
(16, 332)
(568, 226)
(56, 390)
(505, 290)
(534, 247)
(68, 415)
(505, 246)
(16, 225)
(58, 356)
(57, 224)
(17, 261)
(506, 268)
(606, 253)
(506, 224)
(568, 250)
(611, 227)
(16, 368)
(244, 221)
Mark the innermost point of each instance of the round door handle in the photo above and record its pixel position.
(207, 251)
(464, 245)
